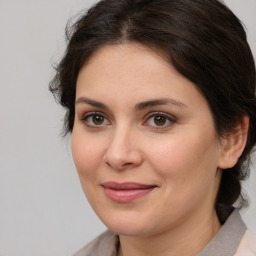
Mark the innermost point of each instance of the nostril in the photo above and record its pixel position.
(127, 164)
(120, 158)
(121, 166)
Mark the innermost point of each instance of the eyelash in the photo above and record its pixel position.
(86, 117)
(167, 118)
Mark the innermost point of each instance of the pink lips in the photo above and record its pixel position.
(126, 192)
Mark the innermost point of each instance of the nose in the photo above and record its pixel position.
(123, 151)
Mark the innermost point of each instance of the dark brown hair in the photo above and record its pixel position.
(202, 39)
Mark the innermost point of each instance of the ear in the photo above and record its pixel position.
(233, 145)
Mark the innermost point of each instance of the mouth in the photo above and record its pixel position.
(126, 192)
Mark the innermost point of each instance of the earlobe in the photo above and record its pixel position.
(233, 145)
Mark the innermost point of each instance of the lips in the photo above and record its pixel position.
(126, 192)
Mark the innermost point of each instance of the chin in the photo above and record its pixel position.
(126, 225)
(127, 230)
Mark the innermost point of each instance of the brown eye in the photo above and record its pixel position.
(95, 120)
(98, 119)
(160, 120)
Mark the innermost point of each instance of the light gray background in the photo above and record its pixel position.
(43, 211)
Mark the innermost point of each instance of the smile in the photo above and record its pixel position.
(126, 192)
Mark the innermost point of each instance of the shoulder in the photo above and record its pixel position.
(247, 245)
(103, 245)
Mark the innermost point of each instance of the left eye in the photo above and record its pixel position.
(95, 119)
(159, 120)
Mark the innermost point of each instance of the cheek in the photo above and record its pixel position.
(188, 174)
(182, 159)
(86, 154)
(87, 158)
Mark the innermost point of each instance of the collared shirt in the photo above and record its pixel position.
(233, 239)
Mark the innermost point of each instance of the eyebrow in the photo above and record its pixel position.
(91, 102)
(139, 106)
(158, 102)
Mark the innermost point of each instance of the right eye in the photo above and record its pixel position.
(95, 119)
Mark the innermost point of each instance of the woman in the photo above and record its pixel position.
(160, 100)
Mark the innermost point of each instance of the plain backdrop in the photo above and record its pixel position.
(43, 210)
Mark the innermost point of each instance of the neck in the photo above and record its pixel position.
(188, 239)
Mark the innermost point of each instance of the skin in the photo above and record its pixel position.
(122, 142)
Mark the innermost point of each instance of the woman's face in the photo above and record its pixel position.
(144, 142)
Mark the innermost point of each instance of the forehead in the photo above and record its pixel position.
(133, 72)
(124, 61)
